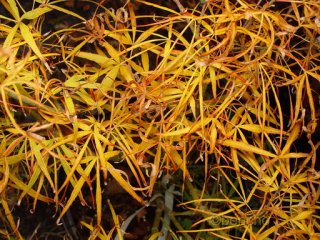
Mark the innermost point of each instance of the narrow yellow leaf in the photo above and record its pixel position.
(246, 147)
(255, 128)
(292, 137)
(87, 99)
(126, 72)
(12, 160)
(27, 36)
(114, 54)
(266, 233)
(192, 103)
(272, 229)
(299, 91)
(31, 192)
(98, 195)
(201, 124)
(155, 236)
(137, 67)
(76, 49)
(112, 154)
(123, 183)
(84, 126)
(76, 190)
(303, 215)
(35, 13)
(32, 181)
(69, 103)
(99, 59)
(279, 212)
(175, 156)
(100, 150)
(5, 174)
(108, 80)
(166, 9)
(74, 81)
(145, 61)
(7, 214)
(178, 132)
(67, 168)
(133, 20)
(209, 28)
(213, 80)
(302, 225)
(118, 36)
(75, 164)
(213, 138)
(294, 155)
(66, 11)
(115, 220)
(42, 159)
(13, 9)
(10, 36)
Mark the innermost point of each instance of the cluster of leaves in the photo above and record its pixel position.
(219, 94)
